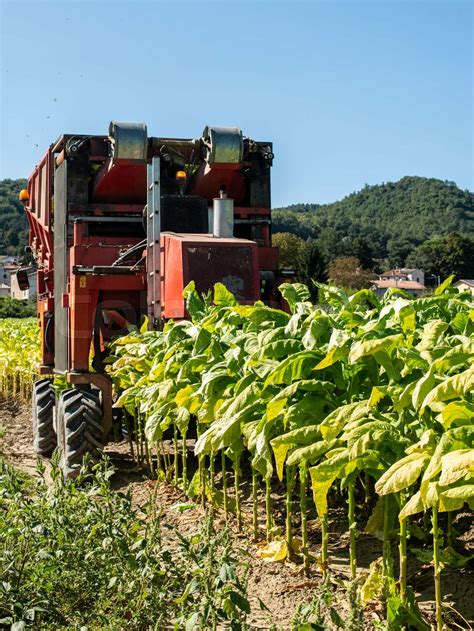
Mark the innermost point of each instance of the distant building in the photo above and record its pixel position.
(410, 286)
(411, 280)
(9, 259)
(8, 266)
(405, 273)
(4, 289)
(16, 292)
(6, 272)
(465, 284)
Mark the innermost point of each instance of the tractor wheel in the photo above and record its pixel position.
(79, 426)
(43, 400)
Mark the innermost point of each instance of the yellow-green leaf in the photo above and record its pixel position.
(452, 388)
(338, 418)
(402, 474)
(370, 347)
(412, 507)
(456, 465)
(280, 452)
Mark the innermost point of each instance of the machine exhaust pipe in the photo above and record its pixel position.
(223, 215)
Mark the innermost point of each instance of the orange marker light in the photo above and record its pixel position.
(181, 175)
(23, 196)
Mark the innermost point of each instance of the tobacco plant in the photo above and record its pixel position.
(19, 356)
(368, 394)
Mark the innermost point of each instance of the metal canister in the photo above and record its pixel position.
(223, 216)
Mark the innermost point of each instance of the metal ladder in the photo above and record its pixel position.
(153, 231)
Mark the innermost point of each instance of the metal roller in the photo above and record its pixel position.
(129, 141)
(224, 145)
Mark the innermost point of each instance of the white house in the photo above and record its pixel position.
(465, 284)
(6, 272)
(16, 292)
(405, 273)
(4, 289)
(410, 286)
(411, 280)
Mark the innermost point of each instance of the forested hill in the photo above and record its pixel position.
(386, 220)
(389, 216)
(13, 224)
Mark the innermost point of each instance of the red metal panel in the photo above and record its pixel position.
(268, 258)
(210, 178)
(207, 260)
(38, 210)
(122, 182)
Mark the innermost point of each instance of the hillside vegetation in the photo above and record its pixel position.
(388, 220)
(421, 222)
(13, 224)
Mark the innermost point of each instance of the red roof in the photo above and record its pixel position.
(400, 284)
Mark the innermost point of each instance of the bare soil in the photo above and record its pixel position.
(275, 589)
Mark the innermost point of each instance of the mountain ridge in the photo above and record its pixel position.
(387, 216)
(412, 209)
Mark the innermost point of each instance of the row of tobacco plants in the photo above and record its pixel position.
(19, 356)
(361, 397)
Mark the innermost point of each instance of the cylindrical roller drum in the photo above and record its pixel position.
(129, 141)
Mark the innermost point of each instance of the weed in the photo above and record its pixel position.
(75, 553)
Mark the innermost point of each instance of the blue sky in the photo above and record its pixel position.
(349, 92)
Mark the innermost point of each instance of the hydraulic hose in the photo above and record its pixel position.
(129, 252)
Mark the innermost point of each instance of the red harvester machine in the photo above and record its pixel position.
(119, 225)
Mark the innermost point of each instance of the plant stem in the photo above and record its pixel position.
(238, 510)
(403, 559)
(224, 484)
(167, 462)
(437, 568)
(175, 447)
(268, 508)
(212, 478)
(352, 530)
(203, 478)
(185, 461)
(149, 456)
(324, 545)
(387, 570)
(290, 482)
(254, 504)
(158, 460)
(304, 515)
(367, 487)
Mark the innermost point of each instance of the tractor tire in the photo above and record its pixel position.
(43, 402)
(79, 426)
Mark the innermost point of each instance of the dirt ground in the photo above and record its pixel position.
(282, 587)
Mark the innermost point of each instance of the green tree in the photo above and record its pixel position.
(347, 272)
(302, 256)
(291, 249)
(398, 251)
(13, 308)
(443, 256)
(313, 263)
(330, 243)
(361, 249)
(13, 223)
